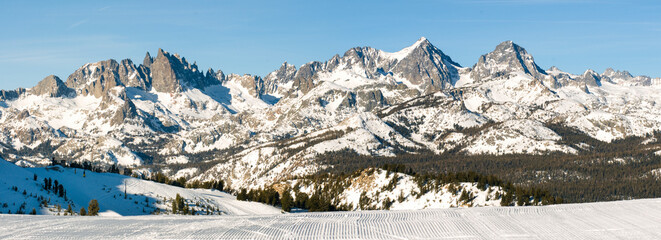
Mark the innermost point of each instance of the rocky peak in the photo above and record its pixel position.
(427, 66)
(130, 76)
(590, 78)
(215, 75)
(124, 73)
(553, 69)
(11, 94)
(612, 74)
(91, 72)
(304, 77)
(506, 59)
(171, 73)
(365, 60)
(164, 77)
(52, 86)
(421, 64)
(283, 75)
(148, 60)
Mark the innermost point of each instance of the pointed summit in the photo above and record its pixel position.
(506, 59)
(172, 73)
(51, 86)
(508, 45)
(422, 42)
(148, 60)
(284, 74)
(426, 66)
(590, 78)
(621, 75)
(553, 69)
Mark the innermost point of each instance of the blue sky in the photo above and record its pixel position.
(57, 37)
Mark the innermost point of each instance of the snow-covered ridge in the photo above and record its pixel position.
(165, 111)
(401, 54)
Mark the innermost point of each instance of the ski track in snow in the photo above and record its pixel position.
(634, 219)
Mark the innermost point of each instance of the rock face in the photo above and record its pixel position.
(52, 86)
(254, 84)
(611, 73)
(130, 76)
(507, 58)
(421, 64)
(11, 94)
(92, 72)
(371, 99)
(304, 77)
(164, 77)
(127, 111)
(428, 67)
(171, 74)
(625, 78)
(590, 78)
(148, 60)
(282, 76)
(96, 78)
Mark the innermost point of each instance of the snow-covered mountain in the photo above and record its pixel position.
(166, 114)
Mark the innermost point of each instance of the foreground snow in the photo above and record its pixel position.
(143, 197)
(635, 219)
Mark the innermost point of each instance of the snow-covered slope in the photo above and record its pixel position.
(633, 219)
(380, 189)
(143, 197)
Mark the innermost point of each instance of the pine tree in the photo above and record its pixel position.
(82, 211)
(174, 206)
(61, 190)
(185, 210)
(242, 195)
(69, 209)
(180, 204)
(33, 212)
(464, 196)
(286, 201)
(93, 208)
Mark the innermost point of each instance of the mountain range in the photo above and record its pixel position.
(167, 115)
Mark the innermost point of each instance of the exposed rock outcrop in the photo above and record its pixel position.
(52, 86)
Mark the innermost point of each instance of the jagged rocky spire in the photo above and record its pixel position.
(507, 58)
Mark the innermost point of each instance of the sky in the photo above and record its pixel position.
(40, 38)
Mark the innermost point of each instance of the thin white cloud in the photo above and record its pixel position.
(77, 23)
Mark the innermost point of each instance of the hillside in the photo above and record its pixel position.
(143, 197)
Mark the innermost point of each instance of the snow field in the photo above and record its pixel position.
(108, 189)
(633, 219)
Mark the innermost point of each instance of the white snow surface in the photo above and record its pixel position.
(108, 189)
(632, 219)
